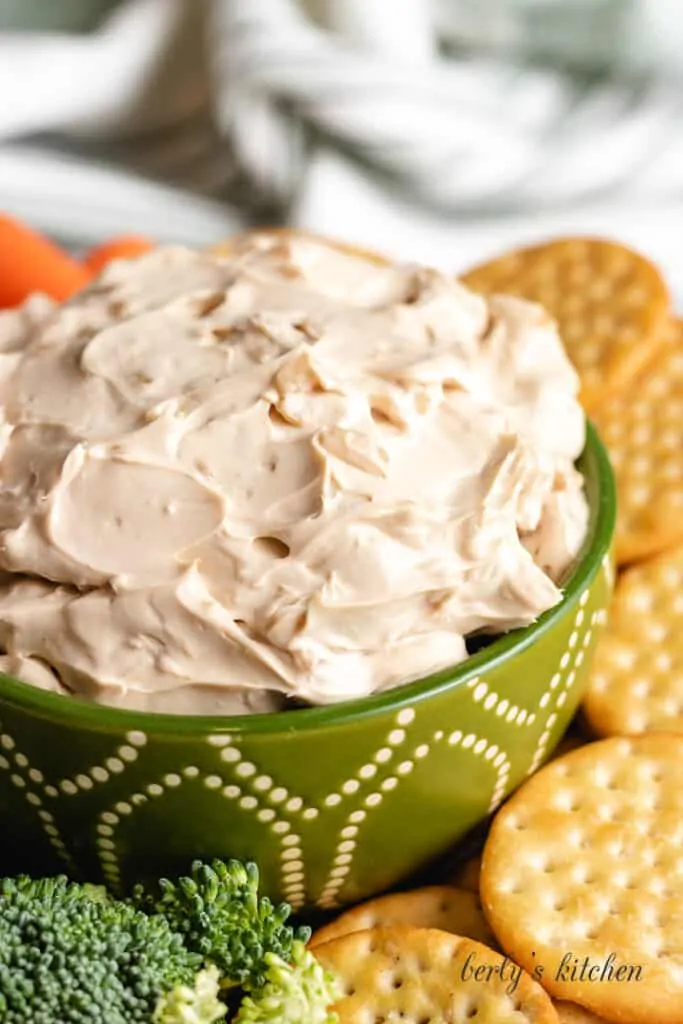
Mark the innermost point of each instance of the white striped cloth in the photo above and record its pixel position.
(480, 134)
(426, 128)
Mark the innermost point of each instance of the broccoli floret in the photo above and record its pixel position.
(220, 915)
(70, 954)
(73, 954)
(198, 1005)
(294, 992)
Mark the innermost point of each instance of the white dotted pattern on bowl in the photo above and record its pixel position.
(561, 682)
(273, 805)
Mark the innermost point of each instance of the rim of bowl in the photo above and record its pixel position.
(601, 488)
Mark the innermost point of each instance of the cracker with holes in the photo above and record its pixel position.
(643, 431)
(582, 875)
(570, 1013)
(611, 304)
(636, 680)
(420, 975)
(435, 906)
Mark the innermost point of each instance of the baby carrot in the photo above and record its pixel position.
(126, 247)
(30, 263)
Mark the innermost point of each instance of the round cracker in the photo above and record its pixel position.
(611, 304)
(643, 432)
(583, 870)
(421, 974)
(570, 1013)
(636, 679)
(434, 906)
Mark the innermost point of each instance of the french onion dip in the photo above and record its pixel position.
(233, 483)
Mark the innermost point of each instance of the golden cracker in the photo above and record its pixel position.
(422, 974)
(643, 432)
(570, 1013)
(636, 679)
(582, 874)
(610, 303)
(466, 875)
(434, 906)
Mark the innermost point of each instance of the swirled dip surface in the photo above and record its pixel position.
(288, 473)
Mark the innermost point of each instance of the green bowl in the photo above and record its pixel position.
(335, 804)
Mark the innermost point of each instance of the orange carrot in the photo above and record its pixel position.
(127, 247)
(30, 263)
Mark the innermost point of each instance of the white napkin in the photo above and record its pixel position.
(370, 216)
(139, 90)
(341, 117)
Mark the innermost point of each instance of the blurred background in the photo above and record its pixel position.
(439, 130)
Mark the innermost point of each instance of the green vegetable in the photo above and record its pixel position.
(198, 1005)
(220, 915)
(293, 992)
(70, 955)
(73, 954)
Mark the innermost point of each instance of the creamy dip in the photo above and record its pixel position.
(231, 481)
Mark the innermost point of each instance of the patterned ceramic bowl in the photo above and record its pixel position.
(335, 803)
